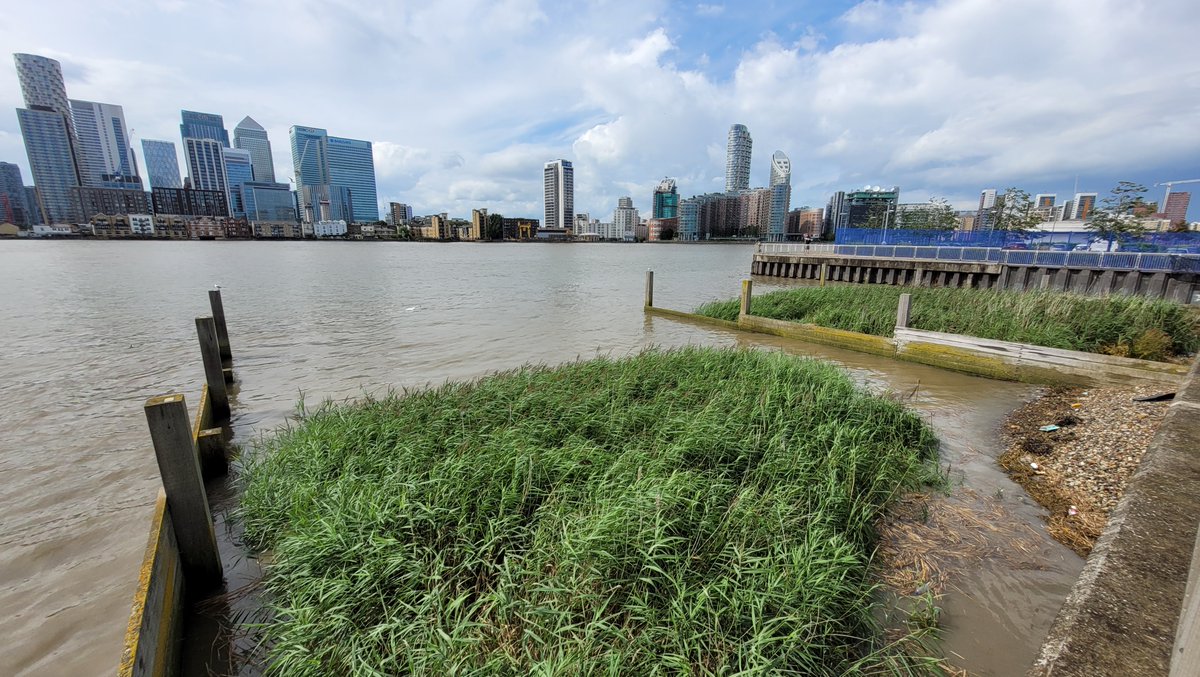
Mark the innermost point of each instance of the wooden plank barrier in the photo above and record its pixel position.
(181, 557)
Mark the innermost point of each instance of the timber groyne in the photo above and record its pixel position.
(1161, 276)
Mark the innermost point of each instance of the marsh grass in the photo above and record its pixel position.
(1124, 325)
(692, 511)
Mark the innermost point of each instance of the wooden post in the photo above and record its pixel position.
(902, 311)
(218, 314)
(218, 311)
(214, 373)
(824, 273)
(747, 291)
(210, 447)
(649, 288)
(175, 451)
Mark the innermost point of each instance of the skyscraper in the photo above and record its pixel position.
(249, 135)
(984, 217)
(49, 135)
(781, 196)
(203, 126)
(352, 165)
(558, 187)
(238, 171)
(1082, 206)
(106, 159)
(334, 176)
(162, 164)
(666, 200)
(264, 201)
(52, 162)
(12, 196)
(1044, 200)
(737, 159)
(625, 218)
(206, 164)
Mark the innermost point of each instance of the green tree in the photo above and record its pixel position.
(937, 215)
(1116, 220)
(495, 227)
(1014, 211)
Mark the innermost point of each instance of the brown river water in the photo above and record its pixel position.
(89, 330)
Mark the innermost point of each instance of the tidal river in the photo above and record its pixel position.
(89, 330)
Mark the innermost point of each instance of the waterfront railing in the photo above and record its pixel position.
(1147, 261)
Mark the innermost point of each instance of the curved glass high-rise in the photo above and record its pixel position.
(737, 159)
(49, 134)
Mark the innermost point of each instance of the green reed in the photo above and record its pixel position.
(1113, 324)
(691, 511)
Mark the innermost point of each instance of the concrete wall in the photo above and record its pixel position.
(1178, 287)
(1122, 616)
(982, 357)
(1023, 362)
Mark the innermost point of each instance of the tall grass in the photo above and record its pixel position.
(1112, 324)
(692, 511)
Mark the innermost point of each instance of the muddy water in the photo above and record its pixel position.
(90, 329)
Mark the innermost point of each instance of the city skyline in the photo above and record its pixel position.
(840, 88)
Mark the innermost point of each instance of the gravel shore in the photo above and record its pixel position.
(1079, 471)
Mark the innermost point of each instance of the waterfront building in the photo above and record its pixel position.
(479, 220)
(196, 125)
(189, 202)
(250, 136)
(330, 228)
(626, 219)
(91, 200)
(52, 162)
(558, 190)
(1044, 200)
(835, 215)
(265, 201)
(206, 164)
(399, 213)
(987, 202)
(666, 200)
(106, 158)
(352, 165)
(276, 230)
(737, 159)
(520, 228)
(872, 207)
(323, 202)
(781, 196)
(141, 224)
(689, 220)
(43, 87)
(1176, 207)
(1082, 206)
(13, 207)
(33, 203)
(582, 225)
(162, 164)
(805, 223)
(49, 134)
(238, 171)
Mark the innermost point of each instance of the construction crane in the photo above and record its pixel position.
(1167, 194)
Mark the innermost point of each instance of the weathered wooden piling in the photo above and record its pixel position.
(747, 291)
(649, 288)
(218, 314)
(214, 371)
(187, 502)
(902, 311)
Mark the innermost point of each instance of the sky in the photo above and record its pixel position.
(465, 101)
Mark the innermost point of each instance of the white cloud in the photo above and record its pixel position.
(466, 100)
(710, 9)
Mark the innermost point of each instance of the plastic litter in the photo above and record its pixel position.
(1033, 465)
(1076, 405)
(1048, 428)
(1161, 397)
(1072, 511)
